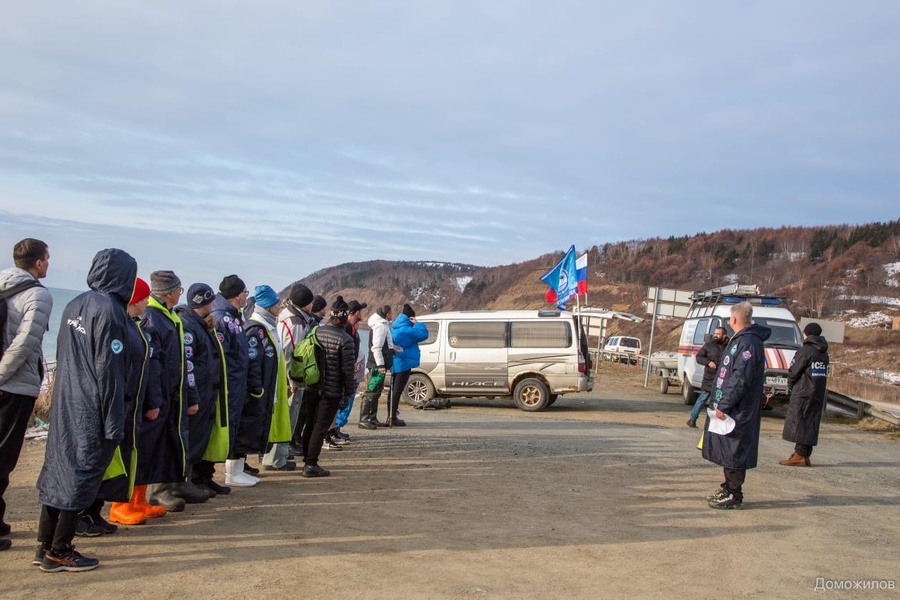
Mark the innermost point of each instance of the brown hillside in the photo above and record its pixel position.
(840, 272)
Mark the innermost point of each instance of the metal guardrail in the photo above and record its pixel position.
(863, 408)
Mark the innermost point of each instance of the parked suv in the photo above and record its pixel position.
(622, 349)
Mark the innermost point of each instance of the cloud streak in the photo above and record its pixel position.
(300, 136)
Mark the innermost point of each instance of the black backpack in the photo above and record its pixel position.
(5, 295)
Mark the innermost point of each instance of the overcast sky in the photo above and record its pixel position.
(273, 139)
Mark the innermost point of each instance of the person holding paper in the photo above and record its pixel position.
(738, 396)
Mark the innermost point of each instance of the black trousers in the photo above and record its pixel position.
(734, 481)
(15, 410)
(368, 409)
(398, 387)
(56, 528)
(319, 417)
(302, 414)
(803, 450)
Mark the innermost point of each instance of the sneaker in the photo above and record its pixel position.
(367, 425)
(249, 469)
(295, 449)
(720, 493)
(68, 560)
(727, 502)
(39, 555)
(87, 528)
(314, 471)
(692, 423)
(328, 444)
(5, 544)
(340, 434)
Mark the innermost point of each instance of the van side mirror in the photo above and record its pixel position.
(706, 338)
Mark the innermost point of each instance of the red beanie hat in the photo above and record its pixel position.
(141, 291)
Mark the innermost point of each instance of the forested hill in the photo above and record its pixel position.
(825, 271)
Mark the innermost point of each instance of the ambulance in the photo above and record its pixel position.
(712, 308)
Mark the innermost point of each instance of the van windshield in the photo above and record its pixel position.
(784, 333)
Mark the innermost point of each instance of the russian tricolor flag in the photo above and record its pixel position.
(581, 274)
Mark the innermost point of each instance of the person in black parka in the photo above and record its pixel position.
(87, 413)
(335, 386)
(807, 382)
(710, 355)
(262, 375)
(171, 399)
(205, 372)
(738, 394)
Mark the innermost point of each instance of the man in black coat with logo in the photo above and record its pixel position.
(171, 399)
(205, 373)
(738, 396)
(87, 414)
(807, 382)
(229, 323)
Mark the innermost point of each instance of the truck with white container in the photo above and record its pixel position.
(711, 309)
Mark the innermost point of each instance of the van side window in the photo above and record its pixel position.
(485, 334)
(702, 330)
(433, 328)
(540, 335)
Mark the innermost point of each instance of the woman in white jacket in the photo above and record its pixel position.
(381, 358)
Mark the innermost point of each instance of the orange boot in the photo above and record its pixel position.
(139, 503)
(126, 514)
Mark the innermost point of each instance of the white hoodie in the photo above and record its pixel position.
(381, 333)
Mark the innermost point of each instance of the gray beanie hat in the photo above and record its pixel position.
(163, 282)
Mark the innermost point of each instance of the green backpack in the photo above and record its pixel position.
(305, 369)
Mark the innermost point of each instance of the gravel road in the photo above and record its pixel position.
(602, 495)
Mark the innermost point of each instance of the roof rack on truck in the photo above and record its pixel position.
(703, 303)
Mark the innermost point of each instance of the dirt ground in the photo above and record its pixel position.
(602, 495)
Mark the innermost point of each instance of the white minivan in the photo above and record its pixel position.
(531, 356)
(711, 309)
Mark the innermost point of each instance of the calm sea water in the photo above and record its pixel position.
(60, 299)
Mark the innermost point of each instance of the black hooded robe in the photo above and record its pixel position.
(88, 411)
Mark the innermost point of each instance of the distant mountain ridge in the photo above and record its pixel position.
(825, 271)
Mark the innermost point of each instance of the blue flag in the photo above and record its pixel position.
(563, 279)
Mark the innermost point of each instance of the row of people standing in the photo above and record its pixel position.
(150, 394)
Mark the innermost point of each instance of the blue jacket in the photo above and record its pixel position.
(407, 335)
(739, 394)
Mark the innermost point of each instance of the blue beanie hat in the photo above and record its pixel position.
(265, 296)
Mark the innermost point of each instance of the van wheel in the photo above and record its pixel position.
(531, 395)
(419, 390)
(663, 385)
(688, 392)
(553, 398)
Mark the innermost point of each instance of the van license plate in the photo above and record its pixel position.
(776, 381)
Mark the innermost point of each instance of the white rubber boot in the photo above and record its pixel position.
(235, 476)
